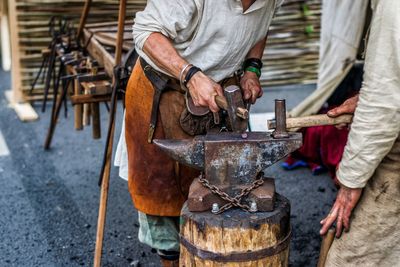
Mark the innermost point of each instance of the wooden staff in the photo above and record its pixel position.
(95, 114)
(78, 109)
(84, 16)
(107, 168)
(326, 243)
(309, 121)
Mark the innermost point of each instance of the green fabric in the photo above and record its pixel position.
(158, 232)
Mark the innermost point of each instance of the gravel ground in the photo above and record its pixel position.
(49, 200)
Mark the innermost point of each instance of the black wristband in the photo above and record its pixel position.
(253, 62)
(191, 72)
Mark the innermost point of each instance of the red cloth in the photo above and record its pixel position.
(322, 146)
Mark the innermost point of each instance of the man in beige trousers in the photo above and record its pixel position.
(369, 172)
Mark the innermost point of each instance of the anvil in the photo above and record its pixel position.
(231, 162)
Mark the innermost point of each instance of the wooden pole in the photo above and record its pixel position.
(325, 246)
(54, 118)
(107, 168)
(95, 113)
(120, 33)
(15, 53)
(86, 114)
(5, 36)
(78, 109)
(84, 16)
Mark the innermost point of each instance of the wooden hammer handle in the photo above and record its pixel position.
(326, 243)
(221, 102)
(315, 120)
(240, 112)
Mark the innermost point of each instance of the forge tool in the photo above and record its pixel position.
(233, 215)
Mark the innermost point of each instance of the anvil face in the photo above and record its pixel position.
(227, 158)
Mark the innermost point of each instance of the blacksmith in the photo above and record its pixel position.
(198, 46)
(369, 172)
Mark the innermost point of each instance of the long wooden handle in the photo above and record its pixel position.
(326, 243)
(84, 16)
(240, 112)
(109, 145)
(309, 121)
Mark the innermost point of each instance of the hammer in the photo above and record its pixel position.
(310, 121)
(233, 103)
(240, 111)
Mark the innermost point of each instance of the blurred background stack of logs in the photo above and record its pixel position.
(291, 56)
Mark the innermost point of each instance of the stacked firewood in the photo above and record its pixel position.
(291, 56)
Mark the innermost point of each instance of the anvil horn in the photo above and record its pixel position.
(188, 152)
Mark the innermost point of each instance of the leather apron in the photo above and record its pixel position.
(157, 184)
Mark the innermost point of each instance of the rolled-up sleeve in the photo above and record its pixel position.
(166, 17)
(376, 123)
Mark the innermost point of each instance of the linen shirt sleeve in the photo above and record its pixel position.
(376, 123)
(166, 17)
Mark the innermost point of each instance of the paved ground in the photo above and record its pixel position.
(49, 200)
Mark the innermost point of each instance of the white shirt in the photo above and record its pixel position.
(214, 35)
(376, 123)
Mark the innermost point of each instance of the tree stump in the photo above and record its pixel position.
(236, 238)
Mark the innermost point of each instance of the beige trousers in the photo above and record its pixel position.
(374, 236)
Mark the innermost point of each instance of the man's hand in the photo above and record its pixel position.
(348, 107)
(203, 90)
(346, 200)
(251, 86)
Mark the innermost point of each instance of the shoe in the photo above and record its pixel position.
(293, 164)
(169, 258)
(168, 263)
(317, 170)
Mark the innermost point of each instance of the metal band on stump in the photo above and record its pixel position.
(238, 257)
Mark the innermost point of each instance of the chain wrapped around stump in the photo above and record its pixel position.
(236, 200)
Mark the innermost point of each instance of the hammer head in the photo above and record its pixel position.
(236, 108)
(232, 102)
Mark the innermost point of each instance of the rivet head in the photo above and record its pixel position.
(215, 208)
(253, 207)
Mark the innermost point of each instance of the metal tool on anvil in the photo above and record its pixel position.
(232, 102)
(232, 166)
(234, 105)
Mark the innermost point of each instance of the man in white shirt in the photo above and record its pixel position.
(369, 172)
(197, 45)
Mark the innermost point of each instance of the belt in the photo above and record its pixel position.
(159, 79)
(161, 82)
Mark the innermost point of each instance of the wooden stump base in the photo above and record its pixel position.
(236, 238)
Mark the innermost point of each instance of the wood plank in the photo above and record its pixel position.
(5, 37)
(24, 111)
(15, 54)
(98, 52)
